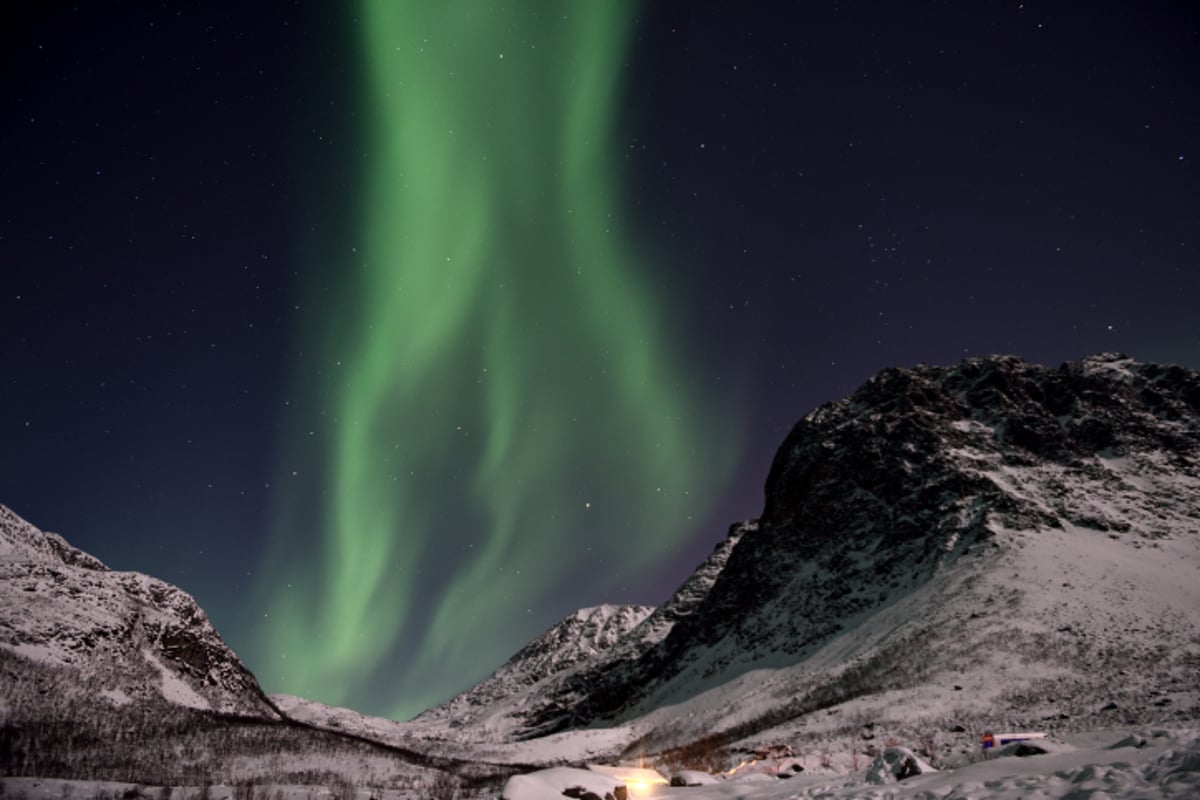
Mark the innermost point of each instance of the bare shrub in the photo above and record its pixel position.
(341, 788)
(929, 748)
(443, 787)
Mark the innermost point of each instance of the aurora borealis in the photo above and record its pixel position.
(395, 332)
(506, 385)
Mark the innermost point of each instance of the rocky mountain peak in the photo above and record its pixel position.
(20, 541)
(960, 424)
(580, 636)
(583, 637)
(127, 638)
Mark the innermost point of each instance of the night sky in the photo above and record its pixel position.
(396, 332)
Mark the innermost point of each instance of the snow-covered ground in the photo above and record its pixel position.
(1144, 765)
(55, 789)
(1166, 766)
(1157, 764)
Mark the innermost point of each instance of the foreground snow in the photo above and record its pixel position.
(1154, 765)
(1147, 765)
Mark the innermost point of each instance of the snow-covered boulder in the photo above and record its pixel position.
(1032, 747)
(896, 764)
(691, 777)
(751, 777)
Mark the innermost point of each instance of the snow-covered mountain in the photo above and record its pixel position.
(950, 549)
(119, 676)
(991, 540)
(582, 638)
(987, 540)
(130, 637)
(537, 687)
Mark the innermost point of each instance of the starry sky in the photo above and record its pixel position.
(394, 332)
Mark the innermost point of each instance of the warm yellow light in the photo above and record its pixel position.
(739, 766)
(639, 787)
(639, 782)
(642, 785)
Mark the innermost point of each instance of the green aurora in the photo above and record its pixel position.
(505, 420)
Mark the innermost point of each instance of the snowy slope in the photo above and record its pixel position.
(128, 637)
(1151, 766)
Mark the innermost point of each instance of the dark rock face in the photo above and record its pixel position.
(871, 496)
(902, 420)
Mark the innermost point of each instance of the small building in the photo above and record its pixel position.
(990, 740)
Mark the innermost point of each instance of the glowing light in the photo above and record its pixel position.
(745, 763)
(641, 785)
(638, 780)
(497, 348)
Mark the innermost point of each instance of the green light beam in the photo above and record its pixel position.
(511, 423)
